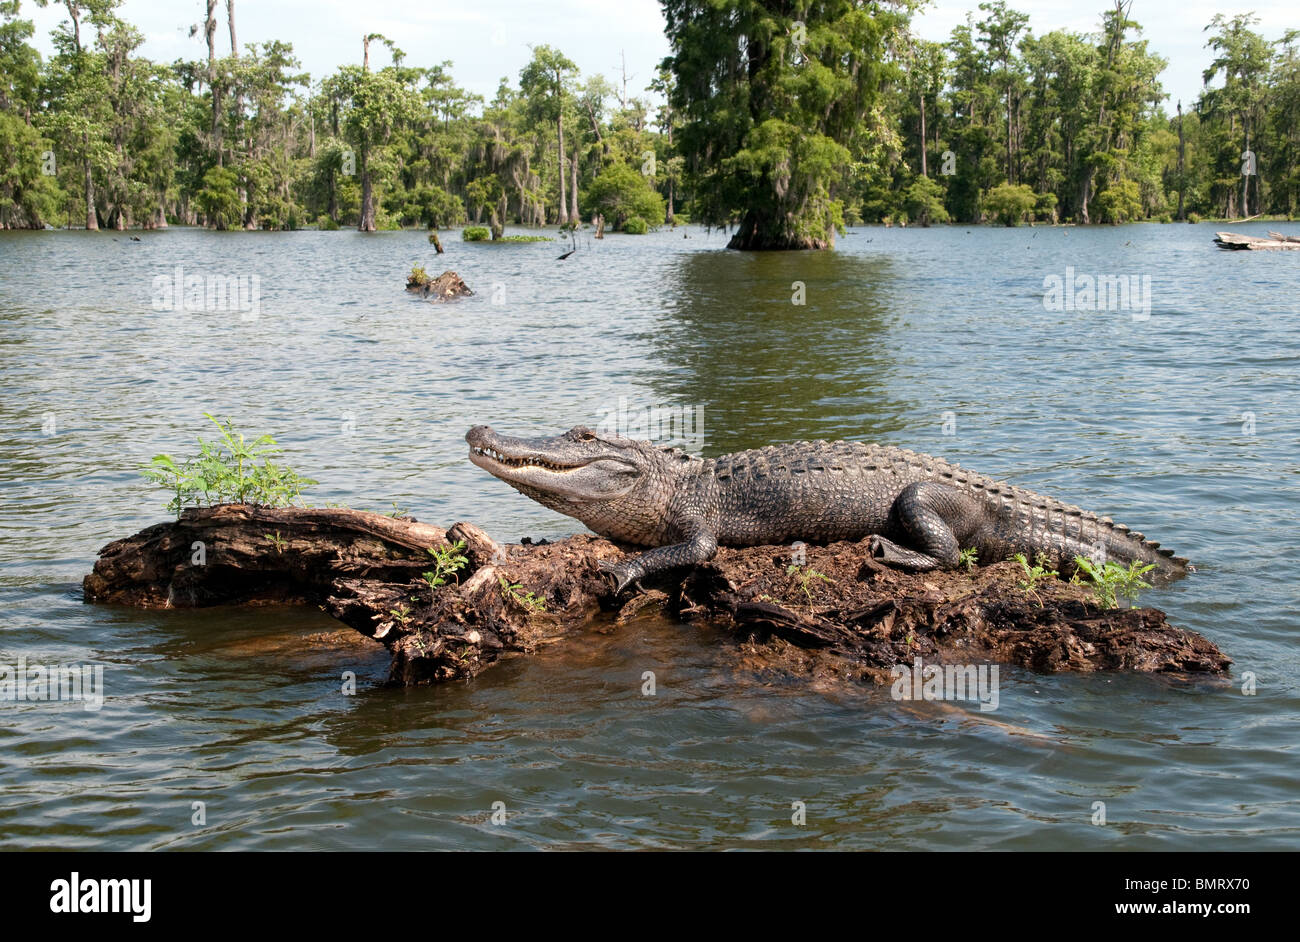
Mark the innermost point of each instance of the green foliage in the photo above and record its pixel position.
(620, 193)
(434, 207)
(1111, 582)
(635, 225)
(475, 234)
(805, 576)
(1120, 202)
(525, 238)
(1034, 574)
(968, 558)
(513, 593)
(218, 200)
(779, 108)
(28, 196)
(232, 469)
(326, 224)
(373, 106)
(1010, 204)
(923, 202)
(447, 561)
(781, 121)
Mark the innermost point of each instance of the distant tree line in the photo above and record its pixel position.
(781, 120)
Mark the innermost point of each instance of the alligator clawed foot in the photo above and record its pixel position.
(624, 573)
(887, 551)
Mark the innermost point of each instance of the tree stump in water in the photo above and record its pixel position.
(445, 287)
(842, 613)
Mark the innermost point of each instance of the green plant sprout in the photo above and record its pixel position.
(513, 592)
(968, 558)
(1111, 581)
(277, 541)
(806, 575)
(231, 469)
(447, 561)
(1034, 574)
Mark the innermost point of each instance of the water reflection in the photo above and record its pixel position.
(734, 338)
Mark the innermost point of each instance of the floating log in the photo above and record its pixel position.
(841, 613)
(445, 287)
(1274, 242)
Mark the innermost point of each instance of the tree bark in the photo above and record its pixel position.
(857, 622)
(1182, 187)
(210, 32)
(924, 172)
(367, 223)
(573, 188)
(756, 234)
(559, 131)
(91, 221)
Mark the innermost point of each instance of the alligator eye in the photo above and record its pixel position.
(587, 437)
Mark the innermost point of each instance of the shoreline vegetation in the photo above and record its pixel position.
(781, 131)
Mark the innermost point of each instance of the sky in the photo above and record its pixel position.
(489, 39)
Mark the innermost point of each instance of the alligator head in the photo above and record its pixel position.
(614, 485)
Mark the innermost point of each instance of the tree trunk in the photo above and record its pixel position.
(862, 622)
(74, 14)
(559, 131)
(1182, 186)
(758, 233)
(367, 223)
(573, 188)
(1010, 174)
(924, 172)
(91, 221)
(210, 32)
(1245, 177)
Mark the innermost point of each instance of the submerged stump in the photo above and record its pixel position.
(445, 287)
(841, 613)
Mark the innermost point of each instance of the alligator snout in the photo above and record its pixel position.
(479, 434)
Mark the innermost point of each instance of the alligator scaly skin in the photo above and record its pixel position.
(919, 511)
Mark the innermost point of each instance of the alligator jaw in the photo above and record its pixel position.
(561, 470)
(490, 459)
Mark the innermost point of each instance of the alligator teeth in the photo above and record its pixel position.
(519, 462)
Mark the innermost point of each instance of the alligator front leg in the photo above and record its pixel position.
(929, 516)
(699, 546)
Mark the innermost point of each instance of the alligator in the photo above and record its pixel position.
(919, 512)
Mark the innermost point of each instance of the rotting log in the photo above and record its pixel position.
(1274, 242)
(445, 287)
(842, 613)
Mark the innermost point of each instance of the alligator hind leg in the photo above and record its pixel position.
(928, 515)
